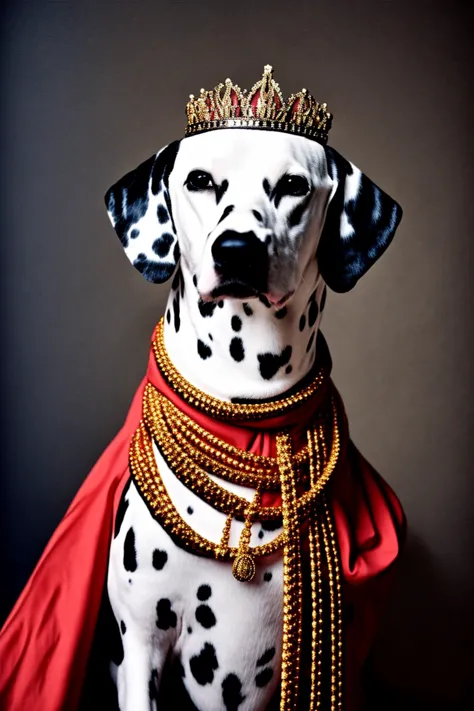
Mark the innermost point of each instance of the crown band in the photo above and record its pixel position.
(263, 107)
(314, 133)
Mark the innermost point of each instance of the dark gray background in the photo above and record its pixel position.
(90, 89)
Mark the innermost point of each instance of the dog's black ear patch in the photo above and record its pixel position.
(139, 207)
(360, 224)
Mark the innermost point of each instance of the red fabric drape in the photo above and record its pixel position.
(45, 642)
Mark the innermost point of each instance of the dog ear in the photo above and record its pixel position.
(139, 208)
(360, 223)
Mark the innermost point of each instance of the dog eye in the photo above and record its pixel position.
(199, 180)
(294, 185)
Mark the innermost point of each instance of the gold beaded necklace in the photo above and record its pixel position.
(191, 452)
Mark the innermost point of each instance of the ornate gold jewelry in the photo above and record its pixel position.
(192, 454)
(263, 107)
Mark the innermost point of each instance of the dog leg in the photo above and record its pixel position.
(139, 675)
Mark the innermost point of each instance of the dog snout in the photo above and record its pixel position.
(240, 255)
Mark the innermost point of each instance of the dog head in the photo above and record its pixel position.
(247, 211)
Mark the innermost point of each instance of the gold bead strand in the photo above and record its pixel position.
(316, 586)
(338, 604)
(292, 582)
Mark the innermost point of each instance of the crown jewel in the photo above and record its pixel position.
(263, 107)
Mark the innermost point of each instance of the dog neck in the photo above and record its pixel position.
(233, 349)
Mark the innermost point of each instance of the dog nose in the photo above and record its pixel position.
(236, 253)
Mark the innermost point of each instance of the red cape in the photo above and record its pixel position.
(46, 641)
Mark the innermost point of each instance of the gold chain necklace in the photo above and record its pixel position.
(191, 452)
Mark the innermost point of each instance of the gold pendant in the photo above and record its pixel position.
(243, 568)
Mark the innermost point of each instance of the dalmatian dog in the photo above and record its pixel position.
(254, 225)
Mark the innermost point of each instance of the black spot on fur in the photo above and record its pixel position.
(220, 304)
(160, 559)
(232, 692)
(134, 233)
(261, 534)
(205, 616)
(266, 657)
(177, 319)
(268, 241)
(162, 214)
(123, 627)
(168, 315)
(312, 313)
(162, 245)
(267, 576)
(270, 363)
(264, 301)
(258, 215)
(203, 350)
(221, 190)
(264, 677)
(165, 617)
(302, 322)
(288, 369)
(247, 309)
(226, 213)
(204, 665)
(129, 552)
(310, 343)
(281, 313)
(211, 337)
(206, 308)
(176, 252)
(296, 215)
(236, 323)
(195, 280)
(190, 510)
(190, 630)
(204, 592)
(152, 271)
(272, 525)
(176, 280)
(323, 300)
(266, 187)
(153, 686)
(236, 349)
(121, 510)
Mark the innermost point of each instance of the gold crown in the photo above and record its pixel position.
(263, 107)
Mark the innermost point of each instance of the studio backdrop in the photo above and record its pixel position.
(92, 88)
